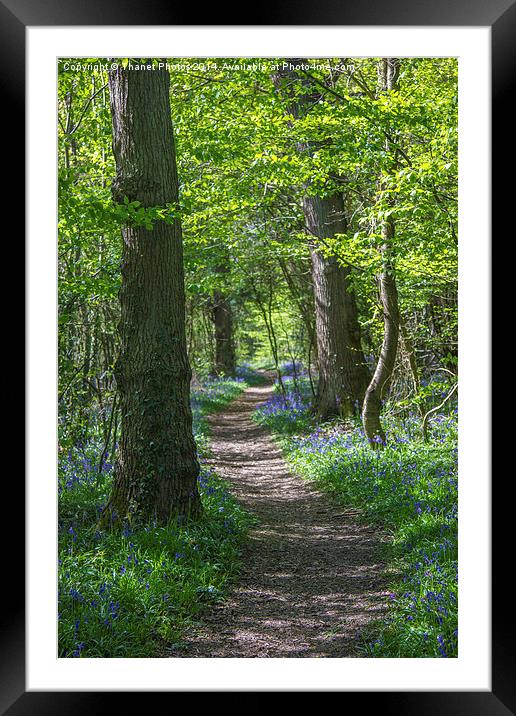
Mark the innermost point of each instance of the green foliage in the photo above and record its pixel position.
(242, 180)
(409, 490)
(132, 213)
(129, 592)
(243, 175)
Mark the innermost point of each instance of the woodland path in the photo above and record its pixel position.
(311, 578)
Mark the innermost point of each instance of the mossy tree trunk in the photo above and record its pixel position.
(156, 469)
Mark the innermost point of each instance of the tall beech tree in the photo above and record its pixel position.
(388, 71)
(156, 468)
(343, 374)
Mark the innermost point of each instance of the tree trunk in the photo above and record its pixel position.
(385, 366)
(156, 468)
(224, 346)
(388, 75)
(343, 374)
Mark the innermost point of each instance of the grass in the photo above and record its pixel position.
(409, 489)
(132, 592)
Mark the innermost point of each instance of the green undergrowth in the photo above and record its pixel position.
(408, 489)
(132, 592)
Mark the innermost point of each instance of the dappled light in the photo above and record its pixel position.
(311, 576)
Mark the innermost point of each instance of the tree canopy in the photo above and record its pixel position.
(242, 183)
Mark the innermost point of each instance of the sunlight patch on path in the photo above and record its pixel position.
(311, 579)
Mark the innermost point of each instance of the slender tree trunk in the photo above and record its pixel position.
(304, 301)
(388, 75)
(156, 469)
(411, 355)
(387, 358)
(265, 306)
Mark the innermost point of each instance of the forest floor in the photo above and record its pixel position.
(311, 577)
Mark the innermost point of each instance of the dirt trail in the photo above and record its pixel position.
(311, 577)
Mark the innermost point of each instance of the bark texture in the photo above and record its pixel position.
(156, 470)
(388, 76)
(343, 373)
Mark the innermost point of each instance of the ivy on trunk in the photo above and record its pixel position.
(156, 468)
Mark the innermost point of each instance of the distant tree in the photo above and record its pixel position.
(156, 468)
(222, 316)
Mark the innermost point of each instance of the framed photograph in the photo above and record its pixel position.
(43, 48)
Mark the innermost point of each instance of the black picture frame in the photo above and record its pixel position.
(500, 16)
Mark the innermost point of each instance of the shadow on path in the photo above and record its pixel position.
(310, 579)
